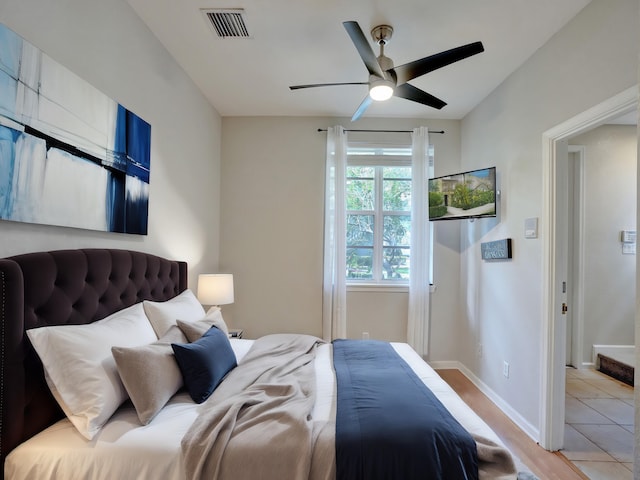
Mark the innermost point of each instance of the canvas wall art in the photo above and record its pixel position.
(496, 250)
(69, 154)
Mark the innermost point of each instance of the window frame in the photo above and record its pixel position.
(368, 154)
(378, 162)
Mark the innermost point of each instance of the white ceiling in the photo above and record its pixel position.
(303, 41)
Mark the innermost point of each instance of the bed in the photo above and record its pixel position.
(45, 435)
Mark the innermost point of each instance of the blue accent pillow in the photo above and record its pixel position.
(204, 363)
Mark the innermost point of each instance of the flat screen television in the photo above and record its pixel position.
(463, 195)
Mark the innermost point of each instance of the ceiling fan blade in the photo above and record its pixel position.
(363, 106)
(364, 49)
(414, 69)
(314, 85)
(409, 92)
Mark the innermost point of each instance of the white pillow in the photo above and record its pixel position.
(80, 369)
(163, 315)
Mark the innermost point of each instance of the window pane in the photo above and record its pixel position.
(397, 230)
(360, 263)
(360, 230)
(360, 172)
(396, 195)
(395, 264)
(360, 188)
(397, 188)
(360, 194)
(397, 172)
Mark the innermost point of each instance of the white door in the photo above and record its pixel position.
(575, 284)
(567, 286)
(559, 295)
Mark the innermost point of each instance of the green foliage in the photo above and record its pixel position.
(397, 195)
(466, 198)
(360, 194)
(437, 207)
(360, 230)
(436, 199)
(396, 188)
(359, 263)
(437, 211)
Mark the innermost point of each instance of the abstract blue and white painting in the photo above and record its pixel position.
(69, 155)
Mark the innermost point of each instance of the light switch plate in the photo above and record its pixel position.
(628, 236)
(531, 227)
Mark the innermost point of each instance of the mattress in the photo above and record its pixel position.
(125, 449)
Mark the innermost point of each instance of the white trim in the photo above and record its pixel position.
(552, 355)
(602, 348)
(369, 287)
(445, 365)
(513, 415)
(382, 287)
(610, 351)
(378, 161)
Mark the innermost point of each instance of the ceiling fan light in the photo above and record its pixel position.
(381, 90)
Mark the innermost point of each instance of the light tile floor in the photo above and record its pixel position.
(598, 431)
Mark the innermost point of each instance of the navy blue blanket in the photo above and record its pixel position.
(389, 425)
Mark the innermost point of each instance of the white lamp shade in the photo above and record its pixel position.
(215, 288)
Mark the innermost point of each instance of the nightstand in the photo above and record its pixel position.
(235, 333)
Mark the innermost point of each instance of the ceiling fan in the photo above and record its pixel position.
(385, 80)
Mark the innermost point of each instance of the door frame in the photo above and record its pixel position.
(552, 388)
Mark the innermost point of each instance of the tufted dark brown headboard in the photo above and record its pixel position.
(57, 288)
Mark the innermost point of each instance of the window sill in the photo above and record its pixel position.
(376, 287)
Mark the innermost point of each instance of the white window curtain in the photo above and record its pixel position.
(418, 321)
(334, 297)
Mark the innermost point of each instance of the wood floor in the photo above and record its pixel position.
(546, 465)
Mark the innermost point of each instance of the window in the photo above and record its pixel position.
(378, 198)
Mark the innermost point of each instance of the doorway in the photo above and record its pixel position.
(555, 258)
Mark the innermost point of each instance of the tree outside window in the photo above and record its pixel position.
(378, 222)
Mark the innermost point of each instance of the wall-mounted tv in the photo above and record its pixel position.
(463, 195)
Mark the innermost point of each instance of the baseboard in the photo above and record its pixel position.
(611, 351)
(515, 417)
(445, 365)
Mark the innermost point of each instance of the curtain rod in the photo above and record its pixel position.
(383, 131)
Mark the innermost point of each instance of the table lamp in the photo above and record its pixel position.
(215, 288)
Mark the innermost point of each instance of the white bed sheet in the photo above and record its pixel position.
(126, 450)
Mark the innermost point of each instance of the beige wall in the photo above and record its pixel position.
(106, 44)
(272, 197)
(589, 61)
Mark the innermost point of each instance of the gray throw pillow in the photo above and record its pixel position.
(150, 373)
(195, 330)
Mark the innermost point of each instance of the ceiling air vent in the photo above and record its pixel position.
(228, 22)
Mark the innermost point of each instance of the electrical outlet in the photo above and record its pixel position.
(365, 335)
(505, 369)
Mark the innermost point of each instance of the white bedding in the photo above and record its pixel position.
(124, 449)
